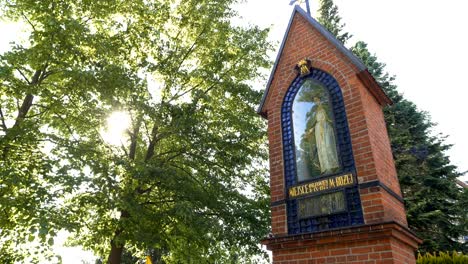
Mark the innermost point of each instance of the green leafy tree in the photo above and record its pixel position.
(185, 181)
(436, 209)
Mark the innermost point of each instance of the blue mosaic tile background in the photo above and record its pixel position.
(353, 215)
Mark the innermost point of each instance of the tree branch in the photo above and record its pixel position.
(67, 126)
(24, 109)
(3, 120)
(134, 138)
(178, 151)
(44, 74)
(228, 71)
(186, 55)
(158, 202)
(189, 174)
(28, 99)
(29, 21)
(152, 143)
(36, 77)
(24, 76)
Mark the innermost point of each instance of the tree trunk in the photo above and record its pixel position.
(115, 256)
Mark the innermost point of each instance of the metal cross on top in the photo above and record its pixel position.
(301, 1)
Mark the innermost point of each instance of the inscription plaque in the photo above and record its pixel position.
(325, 204)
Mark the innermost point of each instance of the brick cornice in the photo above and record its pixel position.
(342, 235)
(378, 183)
(371, 84)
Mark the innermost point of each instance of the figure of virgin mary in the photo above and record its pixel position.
(322, 133)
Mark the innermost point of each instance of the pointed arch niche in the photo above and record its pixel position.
(317, 148)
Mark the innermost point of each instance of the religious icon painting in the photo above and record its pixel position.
(314, 132)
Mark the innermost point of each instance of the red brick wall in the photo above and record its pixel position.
(349, 252)
(379, 142)
(371, 147)
(279, 223)
(383, 251)
(378, 206)
(376, 244)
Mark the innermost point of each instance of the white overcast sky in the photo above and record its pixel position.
(423, 43)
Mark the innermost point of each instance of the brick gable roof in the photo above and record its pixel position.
(363, 74)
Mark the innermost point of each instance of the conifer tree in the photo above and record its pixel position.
(329, 17)
(434, 203)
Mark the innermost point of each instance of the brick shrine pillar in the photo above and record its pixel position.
(335, 196)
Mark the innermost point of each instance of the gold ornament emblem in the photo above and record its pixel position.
(303, 67)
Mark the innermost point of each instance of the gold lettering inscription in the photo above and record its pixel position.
(332, 183)
(344, 180)
(292, 192)
(321, 185)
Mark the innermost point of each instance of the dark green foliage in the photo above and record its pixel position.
(436, 209)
